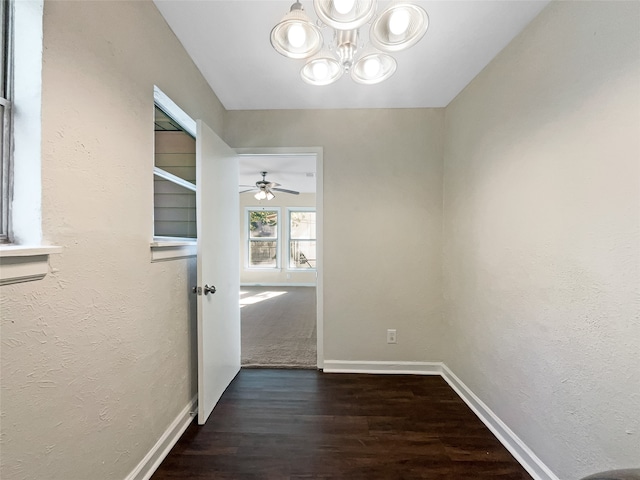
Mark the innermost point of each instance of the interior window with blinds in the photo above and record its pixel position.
(174, 186)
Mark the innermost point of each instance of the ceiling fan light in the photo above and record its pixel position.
(399, 26)
(345, 14)
(270, 196)
(373, 68)
(261, 195)
(296, 36)
(321, 70)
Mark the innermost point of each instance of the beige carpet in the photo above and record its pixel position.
(278, 327)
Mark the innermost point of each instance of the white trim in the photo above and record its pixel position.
(319, 153)
(169, 107)
(521, 452)
(172, 250)
(174, 179)
(26, 204)
(20, 263)
(392, 368)
(276, 284)
(152, 460)
(27, 250)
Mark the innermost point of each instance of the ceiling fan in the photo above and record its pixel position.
(265, 189)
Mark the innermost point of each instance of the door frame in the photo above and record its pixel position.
(182, 248)
(318, 152)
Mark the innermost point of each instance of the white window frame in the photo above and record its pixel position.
(299, 209)
(181, 182)
(25, 258)
(248, 239)
(171, 248)
(6, 61)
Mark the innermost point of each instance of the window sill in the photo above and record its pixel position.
(23, 263)
(164, 250)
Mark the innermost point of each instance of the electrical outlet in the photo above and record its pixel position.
(391, 336)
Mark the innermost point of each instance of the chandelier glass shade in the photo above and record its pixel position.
(397, 27)
(296, 36)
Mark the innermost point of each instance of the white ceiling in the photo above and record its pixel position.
(229, 42)
(293, 172)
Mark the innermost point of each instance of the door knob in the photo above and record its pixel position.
(209, 289)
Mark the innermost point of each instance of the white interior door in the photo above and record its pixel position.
(217, 266)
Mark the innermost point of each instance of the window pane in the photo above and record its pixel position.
(302, 254)
(4, 30)
(262, 254)
(4, 170)
(174, 205)
(303, 225)
(263, 224)
(5, 150)
(174, 212)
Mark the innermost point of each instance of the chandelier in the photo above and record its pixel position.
(397, 27)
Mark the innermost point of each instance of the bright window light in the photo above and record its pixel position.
(261, 297)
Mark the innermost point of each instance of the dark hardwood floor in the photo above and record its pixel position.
(305, 424)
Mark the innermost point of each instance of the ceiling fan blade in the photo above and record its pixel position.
(272, 184)
(250, 190)
(247, 186)
(284, 190)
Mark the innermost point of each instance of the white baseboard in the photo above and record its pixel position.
(152, 460)
(394, 368)
(275, 284)
(520, 451)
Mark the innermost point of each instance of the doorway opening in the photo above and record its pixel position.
(281, 257)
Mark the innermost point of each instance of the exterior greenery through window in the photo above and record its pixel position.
(5, 117)
(302, 239)
(263, 238)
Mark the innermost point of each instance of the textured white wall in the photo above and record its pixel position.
(97, 359)
(382, 222)
(251, 276)
(540, 241)
(541, 236)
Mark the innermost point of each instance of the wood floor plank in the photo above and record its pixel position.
(304, 424)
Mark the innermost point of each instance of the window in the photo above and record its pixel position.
(262, 238)
(174, 189)
(5, 118)
(302, 239)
